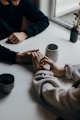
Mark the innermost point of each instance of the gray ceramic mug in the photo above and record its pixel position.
(6, 82)
(52, 52)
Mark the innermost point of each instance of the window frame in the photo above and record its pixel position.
(53, 17)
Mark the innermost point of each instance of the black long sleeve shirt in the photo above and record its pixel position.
(11, 19)
(7, 55)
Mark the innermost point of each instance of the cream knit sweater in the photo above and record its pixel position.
(64, 103)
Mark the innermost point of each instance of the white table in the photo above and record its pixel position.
(21, 103)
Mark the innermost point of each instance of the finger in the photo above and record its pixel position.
(44, 61)
(45, 58)
(36, 50)
(39, 53)
(11, 36)
(36, 56)
(42, 64)
(32, 55)
(15, 41)
(36, 59)
(30, 51)
(33, 58)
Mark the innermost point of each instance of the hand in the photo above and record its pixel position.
(17, 37)
(25, 57)
(46, 60)
(53, 67)
(36, 57)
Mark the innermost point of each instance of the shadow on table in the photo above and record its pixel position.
(28, 67)
(3, 95)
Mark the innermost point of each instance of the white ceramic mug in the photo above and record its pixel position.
(52, 52)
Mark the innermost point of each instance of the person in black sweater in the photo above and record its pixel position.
(10, 56)
(12, 18)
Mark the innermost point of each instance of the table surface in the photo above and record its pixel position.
(22, 103)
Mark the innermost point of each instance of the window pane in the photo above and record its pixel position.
(64, 10)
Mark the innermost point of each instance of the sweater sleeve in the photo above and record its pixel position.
(5, 29)
(7, 55)
(60, 101)
(36, 17)
(72, 72)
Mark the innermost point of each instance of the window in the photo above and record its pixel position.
(61, 11)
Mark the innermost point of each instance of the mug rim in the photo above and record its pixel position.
(54, 45)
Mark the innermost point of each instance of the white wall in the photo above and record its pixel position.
(66, 6)
(63, 6)
(44, 6)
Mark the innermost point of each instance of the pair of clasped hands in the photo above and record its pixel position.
(39, 61)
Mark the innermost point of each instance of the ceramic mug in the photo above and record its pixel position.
(6, 82)
(52, 52)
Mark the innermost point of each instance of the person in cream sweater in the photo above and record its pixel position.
(64, 103)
